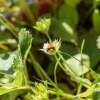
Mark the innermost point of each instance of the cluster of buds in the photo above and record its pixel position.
(52, 47)
(43, 25)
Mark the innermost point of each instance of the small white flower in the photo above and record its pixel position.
(45, 47)
(52, 47)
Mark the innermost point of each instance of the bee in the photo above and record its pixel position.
(51, 46)
(48, 46)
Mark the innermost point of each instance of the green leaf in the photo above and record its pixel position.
(64, 26)
(96, 3)
(15, 72)
(72, 3)
(69, 15)
(6, 61)
(76, 66)
(25, 42)
(18, 64)
(96, 20)
(90, 47)
(63, 30)
(10, 69)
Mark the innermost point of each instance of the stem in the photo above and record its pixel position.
(61, 66)
(25, 73)
(66, 95)
(37, 66)
(80, 86)
(40, 71)
(69, 69)
(23, 70)
(48, 37)
(55, 69)
(69, 55)
(71, 73)
(82, 46)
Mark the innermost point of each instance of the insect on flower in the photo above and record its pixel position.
(52, 47)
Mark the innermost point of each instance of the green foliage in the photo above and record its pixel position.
(12, 68)
(69, 15)
(90, 47)
(7, 61)
(96, 20)
(72, 3)
(25, 42)
(77, 67)
(66, 67)
(64, 26)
